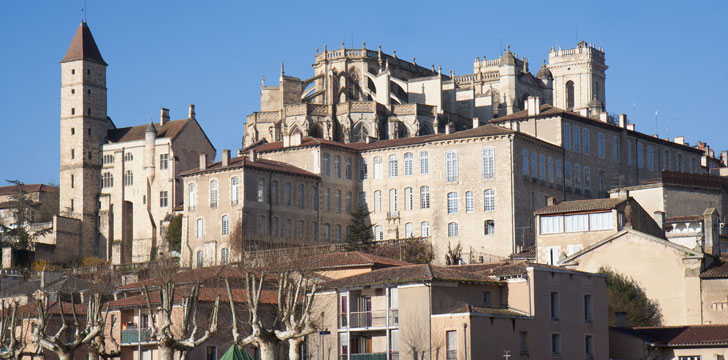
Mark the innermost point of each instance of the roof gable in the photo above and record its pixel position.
(83, 47)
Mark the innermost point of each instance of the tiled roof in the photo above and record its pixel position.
(681, 336)
(410, 274)
(581, 205)
(260, 164)
(64, 285)
(169, 130)
(307, 141)
(188, 276)
(527, 253)
(31, 309)
(717, 270)
(488, 310)
(353, 258)
(685, 218)
(28, 188)
(688, 179)
(83, 47)
(267, 296)
(507, 269)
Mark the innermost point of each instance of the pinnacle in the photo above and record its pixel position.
(83, 47)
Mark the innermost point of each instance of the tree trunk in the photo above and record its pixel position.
(268, 350)
(165, 352)
(294, 345)
(64, 356)
(93, 353)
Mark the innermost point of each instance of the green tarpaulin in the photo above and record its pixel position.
(233, 353)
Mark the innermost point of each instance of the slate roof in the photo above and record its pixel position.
(410, 274)
(581, 205)
(169, 130)
(83, 47)
(260, 164)
(680, 336)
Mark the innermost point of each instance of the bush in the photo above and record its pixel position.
(93, 261)
(624, 295)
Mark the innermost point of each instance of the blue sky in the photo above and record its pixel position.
(666, 56)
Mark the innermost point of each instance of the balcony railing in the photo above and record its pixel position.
(369, 356)
(369, 319)
(131, 336)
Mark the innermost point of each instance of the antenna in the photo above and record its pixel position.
(657, 129)
(84, 11)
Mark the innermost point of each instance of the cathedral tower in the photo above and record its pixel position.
(84, 127)
(579, 76)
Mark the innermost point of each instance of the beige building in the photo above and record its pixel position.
(696, 342)
(477, 311)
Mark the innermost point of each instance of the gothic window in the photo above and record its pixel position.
(107, 180)
(317, 132)
(107, 159)
(128, 178)
(569, 95)
(360, 133)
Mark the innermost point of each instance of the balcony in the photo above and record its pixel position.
(131, 336)
(392, 215)
(369, 319)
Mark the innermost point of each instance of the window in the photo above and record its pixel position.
(211, 353)
(362, 169)
(629, 153)
(678, 162)
(234, 193)
(576, 138)
(213, 193)
(451, 167)
(452, 229)
(693, 357)
(73, 111)
(567, 175)
(424, 162)
(469, 206)
(378, 233)
(567, 137)
(588, 345)
(325, 164)
(551, 224)
(640, 160)
(393, 166)
(574, 223)
(452, 203)
(163, 199)
(378, 201)
(600, 221)
(72, 182)
(693, 166)
(107, 159)
(587, 308)
(73, 71)
(314, 230)
(200, 258)
(377, 167)
(587, 180)
(555, 344)
(551, 170)
(128, 178)
(452, 345)
(615, 149)
(349, 170)
(337, 200)
(600, 145)
(163, 161)
(327, 199)
(408, 198)
(554, 305)
(225, 225)
(523, 342)
(424, 197)
(577, 178)
(224, 256)
(408, 158)
(200, 228)
(585, 140)
(349, 202)
(287, 229)
(275, 226)
(602, 183)
(525, 163)
(650, 158)
(489, 227)
(559, 173)
(363, 200)
(261, 190)
(488, 163)
(486, 297)
(338, 233)
(337, 166)
(666, 160)
(287, 194)
(274, 194)
(393, 202)
(542, 168)
(488, 200)
(425, 229)
(315, 198)
(534, 165)
(192, 189)
(409, 230)
(300, 196)
(128, 157)
(569, 95)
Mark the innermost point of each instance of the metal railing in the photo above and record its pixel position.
(369, 319)
(131, 336)
(370, 356)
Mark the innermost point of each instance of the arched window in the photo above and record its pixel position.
(261, 225)
(287, 193)
(452, 229)
(469, 202)
(424, 197)
(192, 188)
(225, 225)
(525, 163)
(200, 228)
(425, 229)
(128, 157)
(488, 200)
(300, 196)
(452, 203)
(569, 95)
(327, 231)
(234, 193)
(409, 230)
(349, 169)
(408, 157)
(224, 256)
(349, 201)
(378, 201)
(337, 200)
(274, 195)
(107, 180)
(424, 162)
(200, 258)
(488, 163)
(317, 132)
(360, 133)
(338, 233)
(213, 193)
(315, 198)
(393, 202)
(261, 190)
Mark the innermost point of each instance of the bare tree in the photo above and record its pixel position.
(167, 341)
(454, 255)
(58, 342)
(97, 348)
(13, 334)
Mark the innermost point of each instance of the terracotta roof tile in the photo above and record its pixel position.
(267, 296)
(307, 141)
(169, 130)
(28, 188)
(191, 275)
(83, 47)
(684, 218)
(31, 309)
(260, 164)
(679, 336)
(581, 205)
(718, 269)
(353, 258)
(409, 274)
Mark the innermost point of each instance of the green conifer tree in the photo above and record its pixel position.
(359, 236)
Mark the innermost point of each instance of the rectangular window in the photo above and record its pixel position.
(534, 165)
(452, 203)
(640, 159)
(452, 345)
(377, 167)
(554, 305)
(600, 221)
(489, 227)
(425, 197)
(615, 149)
(163, 161)
(327, 199)
(577, 143)
(629, 153)
(559, 173)
(408, 198)
(469, 206)
(300, 198)
(525, 163)
(551, 224)
(587, 308)
(600, 145)
(349, 202)
(585, 140)
(287, 194)
(362, 169)
(588, 345)
(574, 223)
(650, 158)
(523, 342)
(567, 137)
(555, 344)
(451, 166)
(315, 198)
(163, 199)
(424, 162)
(393, 202)
(587, 180)
(542, 168)
(337, 166)
(348, 169)
(577, 178)
(326, 165)
(377, 201)
(488, 163)
(408, 159)
(551, 170)
(452, 229)
(393, 166)
(567, 175)
(337, 201)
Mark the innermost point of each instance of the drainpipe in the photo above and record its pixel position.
(513, 200)
(465, 341)
(139, 333)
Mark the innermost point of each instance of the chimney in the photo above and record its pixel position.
(164, 116)
(253, 155)
(191, 112)
(659, 217)
(225, 158)
(622, 120)
(584, 112)
(630, 127)
(603, 117)
(550, 201)
(534, 105)
(621, 193)
(203, 161)
(476, 122)
(447, 128)
(724, 157)
(680, 140)
(711, 232)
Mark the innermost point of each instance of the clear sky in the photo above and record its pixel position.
(664, 56)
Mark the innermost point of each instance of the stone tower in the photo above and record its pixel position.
(84, 127)
(578, 76)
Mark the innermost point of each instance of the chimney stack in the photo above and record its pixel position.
(447, 128)
(191, 112)
(550, 201)
(630, 127)
(164, 116)
(533, 104)
(225, 158)
(203, 161)
(476, 122)
(604, 117)
(711, 232)
(680, 140)
(584, 112)
(659, 217)
(724, 157)
(622, 120)
(253, 155)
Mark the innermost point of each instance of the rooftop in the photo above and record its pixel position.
(169, 130)
(28, 188)
(680, 336)
(259, 164)
(83, 47)
(410, 274)
(581, 205)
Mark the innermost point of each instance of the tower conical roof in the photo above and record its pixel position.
(83, 47)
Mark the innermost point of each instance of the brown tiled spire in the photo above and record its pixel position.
(83, 47)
